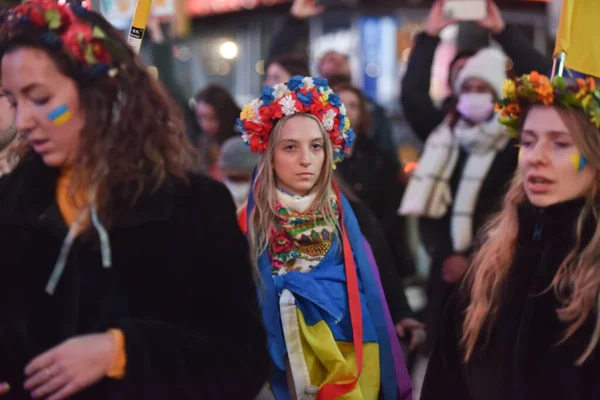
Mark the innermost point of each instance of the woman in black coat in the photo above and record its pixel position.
(124, 274)
(525, 326)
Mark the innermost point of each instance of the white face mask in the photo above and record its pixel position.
(476, 107)
(239, 191)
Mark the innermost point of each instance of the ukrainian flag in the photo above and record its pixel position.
(330, 330)
(575, 36)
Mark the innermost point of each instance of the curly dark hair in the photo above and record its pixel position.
(126, 155)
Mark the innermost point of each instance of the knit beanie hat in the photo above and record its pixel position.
(489, 65)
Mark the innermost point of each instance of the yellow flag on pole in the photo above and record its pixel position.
(579, 19)
(138, 25)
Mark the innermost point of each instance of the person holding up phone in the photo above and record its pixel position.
(422, 115)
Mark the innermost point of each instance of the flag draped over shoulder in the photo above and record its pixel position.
(575, 36)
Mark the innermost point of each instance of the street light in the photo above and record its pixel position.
(229, 50)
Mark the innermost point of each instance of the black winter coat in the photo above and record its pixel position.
(373, 174)
(180, 288)
(521, 360)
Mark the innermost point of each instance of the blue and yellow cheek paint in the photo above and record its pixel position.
(60, 115)
(578, 161)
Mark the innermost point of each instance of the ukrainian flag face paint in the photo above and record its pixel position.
(578, 161)
(551, 166)
(60, 115)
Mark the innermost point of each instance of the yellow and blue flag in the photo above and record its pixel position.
(575, 36)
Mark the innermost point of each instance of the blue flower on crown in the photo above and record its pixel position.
(351, 137)
(25, 21)
(267, 95)
(80, 11)
(305, 99)
(335, 100)
(96, 71)
(52, 40)
(295, 83)
(321, 83)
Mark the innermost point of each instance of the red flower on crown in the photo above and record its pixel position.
(68, 27)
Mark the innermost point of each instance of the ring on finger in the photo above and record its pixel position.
(48, 372)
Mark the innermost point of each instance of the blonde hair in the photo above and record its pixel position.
(577, 281)
(265, 190)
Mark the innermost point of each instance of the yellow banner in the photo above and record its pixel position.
(138, 26)
(579, 20)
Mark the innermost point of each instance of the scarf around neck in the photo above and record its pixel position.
(429, 194)
(301, 237)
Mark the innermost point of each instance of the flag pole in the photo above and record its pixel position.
(138, 25)
(558, 66)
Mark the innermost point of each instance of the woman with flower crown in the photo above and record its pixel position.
(330, 333)
(124, 274)
(526, 324)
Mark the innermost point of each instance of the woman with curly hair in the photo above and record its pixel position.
(525, 323)
(330, 332)
(121, 267)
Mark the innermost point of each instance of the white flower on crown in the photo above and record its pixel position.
(288, 105)
(343, 109)
(256, 104)
(327, 91)
(328, 120)
(308, 83)
(246, 138)
(281, 90)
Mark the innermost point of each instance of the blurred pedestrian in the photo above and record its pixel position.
(461, 176)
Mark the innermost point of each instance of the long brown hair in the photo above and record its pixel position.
(226, 109)
(265, 188)
(577, 281)
(366, 123)
(133, 136)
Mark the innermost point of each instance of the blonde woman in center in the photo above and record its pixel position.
(330, 332)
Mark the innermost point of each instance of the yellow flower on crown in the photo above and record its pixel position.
(347, 124)
(535, 88)
(247, 112)
(509, 88)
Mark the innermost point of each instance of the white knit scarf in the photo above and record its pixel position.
(429, 193)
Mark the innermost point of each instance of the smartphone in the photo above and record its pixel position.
(465, 10)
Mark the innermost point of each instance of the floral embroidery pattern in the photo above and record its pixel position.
(298, 242)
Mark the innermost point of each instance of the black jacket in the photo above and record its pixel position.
(435, 233)
(180, 288)
(521, 360)
(373, 174)
(419, 109)
(391, 280)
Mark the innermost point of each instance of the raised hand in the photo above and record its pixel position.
(305, 9)
(493, 22)
(436, 20)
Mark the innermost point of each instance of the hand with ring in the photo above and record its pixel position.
(70, 367)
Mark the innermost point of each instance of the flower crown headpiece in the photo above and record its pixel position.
(301, 95)
(535, 88)
(68, 27)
